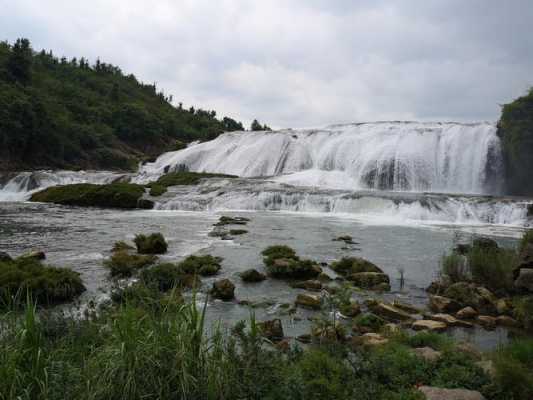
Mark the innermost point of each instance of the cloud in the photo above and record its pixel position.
(301, 62)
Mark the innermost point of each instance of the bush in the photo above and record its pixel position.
(430, 339)
(368, 322)
(523, 311)
(115, 195)
(123, 264)
(200, 265)
(154, 243)
(492, 267)
(455, 267)
(527, 238)
(157, 190)
(162, 276)
(514, 370)
(354, 265)
(45, 285)
(121, 246)
(279, 251)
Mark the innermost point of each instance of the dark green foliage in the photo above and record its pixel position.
(225, 220)
(515, 128)
(282, 262)
(154, 243)
(279, 251)
(256, 126)
(121, 246)
(115, 195)
(430, 339)
(368, 322)
(44, 284)
(66, 114)
(123, 264)
(162, 276)
(526, 240)
(354, 265)
(157, 190)
(454, 266)
(237, 231)
(201, 265)
(186, 178)
(514, 371)
(523, 311)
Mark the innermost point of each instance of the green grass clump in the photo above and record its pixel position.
(187, 178)
(115, 195)
(163, 276)
(514, 370)
(368, 322)
(121, 246)
(123, 264)
(200, 265)
(154, 243)
(46, 285)
(492, 267)
(527, 238)
(354, 265)
(430, 339)
(279, 251)
(455, 267)
(157, 190)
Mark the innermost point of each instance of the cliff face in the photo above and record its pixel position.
(515, 129)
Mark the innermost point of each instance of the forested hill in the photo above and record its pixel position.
(59, 113)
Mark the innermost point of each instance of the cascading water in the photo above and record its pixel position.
(399, 156)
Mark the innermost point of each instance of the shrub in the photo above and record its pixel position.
(124, 264)
(115, 195)
(455, 267)
(492, 267)
(201, 265)
(354, 265)
(121, 246)
(187, 178)
(157, 190)
(45, 285)
(430, 339)
(458, 370)
(514, 370)
(162, 276)
(523, 311)
(527, 238)
(368, 321)
(154, 243)
(279, 251)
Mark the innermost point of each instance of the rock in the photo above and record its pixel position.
(391, 328)
(469, 349)
(4, 257)
(352, 265)
(433, 393)
(451, 320)
(305, 338)
(427, 353)
(252, 275)
(346, 239)
(145, 204)
(467, 313)
(309, 301)
(408, 308)
(284, 345)
(369, 339)
(390, 312)
(35, 255)
(505, 320)
(437, 287)
(351, 310)
(443, 304)
(427, 324)
(488, 367)
(503, 306)
(308, 285)
(485, 243)
(486, 321)
(525, 279)
(330, 333)
(272, 330)
(469, 294)
(223, 289)
(323, 277)
(370, 280)
(462, 248)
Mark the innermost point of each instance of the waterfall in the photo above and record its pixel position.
(398, 156)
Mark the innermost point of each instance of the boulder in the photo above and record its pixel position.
(223, 289)
(487, 321)
(370, 280)
(469, 349)
(352, 265)
(503, 306)
(427, 353)
(34, 255)
(369, 340)
(488, 367)
(437, 287)
(252, 275)
(467, 313)
(308, 285)
(390, 312)
(525, 279)
(272, 330)
(324, 278)
(427, 324)
(408, 308)
(391, 328)
(451, 320)
(469, 294)
(309, 301)
(433, 393)
(330, 333)
(4, 257)
(443, 304)
(351, 310)
(505, 320)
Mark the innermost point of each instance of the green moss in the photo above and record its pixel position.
(115, 195)
(238, 232)
(187, 178)
(45, 284)
(123, 264)
(370, 321)
(154, 243)
(279, 251)
(201, 265)
(163, 276)
(157, 190)
(353, 265)
(121, 246)
(514, 370)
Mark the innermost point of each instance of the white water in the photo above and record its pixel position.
(399, 156)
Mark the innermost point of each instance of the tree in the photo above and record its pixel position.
(256, 126)
(20, 61)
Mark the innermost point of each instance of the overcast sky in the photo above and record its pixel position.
(301, 63)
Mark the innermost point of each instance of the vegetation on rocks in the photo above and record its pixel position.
(154, 243)
(282, 262)
(186, 178)
(123, 264)
(115, 195)
(26, 277)
(59, 113)
(201, 265)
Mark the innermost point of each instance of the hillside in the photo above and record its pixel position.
(516, 131)
(59, 113)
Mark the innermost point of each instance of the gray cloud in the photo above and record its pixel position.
(301, 63)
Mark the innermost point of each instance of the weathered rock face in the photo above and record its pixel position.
(351, 310)
(505, 320)
(36, 255)
(390, 312)
(308, 285)
(223, 289)
(369, 340)
(442, 304)
(408, 308)
(525, 279)
(486, 321)
(352, 265)
(426, 324)
(427, 353)
(477, 297)
(272, 330)
(4, 257)
(252, 275)
(451, 320)
(370, 280)
(309, 301)
(433, 393)
(467, 313)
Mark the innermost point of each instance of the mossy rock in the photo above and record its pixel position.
(154, 243)
(124, 264)
(478, 297)
(252, 275)
(187, 178)
(287, 268)
(122, 246)
(201, 265)
(225, 220)
(353, 265)
(368, 322)
(46, 285)
(163, 276)
(115, 195)
(370, 280)
(157, 190)
(223, 289)
(279, 251)
(237, 232)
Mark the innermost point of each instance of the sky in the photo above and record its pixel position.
(301, 63)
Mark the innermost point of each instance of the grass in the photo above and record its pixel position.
(200, 265)
(353, 265)
(154, 243)
(455, 267)
(124, 264)
(47, 285)
(115, 195)
(279, 251)
(163, 276)
(187, 178)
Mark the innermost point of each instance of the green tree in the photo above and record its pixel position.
(20, 61)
